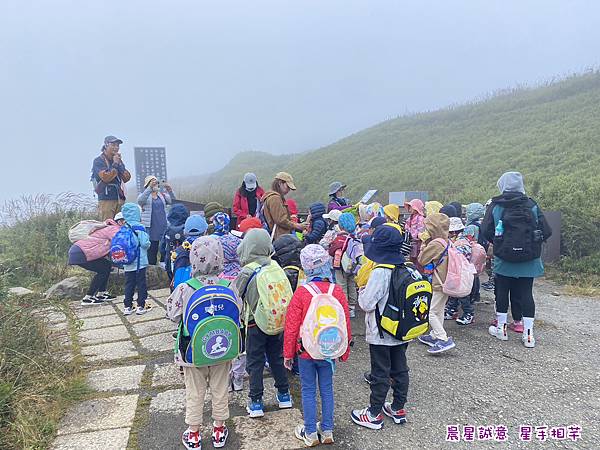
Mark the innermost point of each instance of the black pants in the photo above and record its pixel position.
(153, 253)
(388, 361)
(520, 292)
(257, 345)
(133, 280)
(100, 281)
(476, 290)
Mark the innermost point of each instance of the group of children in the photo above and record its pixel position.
(313, 283)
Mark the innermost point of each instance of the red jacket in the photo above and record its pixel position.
(296, 312)
(240, 204)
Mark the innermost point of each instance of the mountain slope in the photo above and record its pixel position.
(550, 134)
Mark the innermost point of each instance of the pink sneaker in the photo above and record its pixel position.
(516, 326)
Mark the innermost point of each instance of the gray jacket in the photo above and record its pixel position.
(145, 201)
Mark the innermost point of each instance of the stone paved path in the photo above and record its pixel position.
(138, 393)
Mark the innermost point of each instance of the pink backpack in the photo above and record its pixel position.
(461, 273)
(478, 257)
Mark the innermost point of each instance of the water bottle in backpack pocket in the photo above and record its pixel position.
(125, 246)
(324, 331)
(521, 239)
(209, 332)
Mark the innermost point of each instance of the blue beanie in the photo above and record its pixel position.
(347, 222)
(195, 225)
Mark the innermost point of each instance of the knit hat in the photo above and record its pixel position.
(347, 222)
(456, 224)
(313, 256)
(384, 246)
(392, 211)
(334, 215)
(211, 208)
(248, 223)
(195, 225)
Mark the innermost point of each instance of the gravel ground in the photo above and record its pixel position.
(484, 381)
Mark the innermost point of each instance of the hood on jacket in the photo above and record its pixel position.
(178, 215)
(511, 182)
(437, 225)
(131, 213)
(255, 245)
(510, 199)
(292, 206)
(206, 256)
(392, 211)
(287, 250)
(317, 210)
(432, 206)
(475, 211)
(417, 205)
(457, 207)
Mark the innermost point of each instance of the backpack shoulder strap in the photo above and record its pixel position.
(385, 266)
(313, 289)
(224, 283)
(331, 288)
(194, 283)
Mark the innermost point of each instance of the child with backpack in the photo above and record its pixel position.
(195, 226)
(174, 235)
(266, 293)
(388, 354)
(287, 254)
(318, 225)
(434, 259)
(135, 271)
(345, 251)
(415, 225)
(207, 341)
(317, 329)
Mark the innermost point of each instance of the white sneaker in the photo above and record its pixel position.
(499, 332)
(528, 340)
(91, 300)
(237, 383)
(141, 310)
(127, 311)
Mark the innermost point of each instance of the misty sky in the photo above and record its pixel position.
(210, 79)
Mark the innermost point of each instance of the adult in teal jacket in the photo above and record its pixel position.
(515, 279)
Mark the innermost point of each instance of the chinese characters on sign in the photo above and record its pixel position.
(500, 433)
(149, 161)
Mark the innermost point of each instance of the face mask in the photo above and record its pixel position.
(250, 190)
(155, 189)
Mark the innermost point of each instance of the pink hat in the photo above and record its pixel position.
(417, 205)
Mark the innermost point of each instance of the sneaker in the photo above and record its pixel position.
(91, 300)
(398, 416)
(105, 296)
(237, 384)
(127, 311)
(352, 313)
(255, 409)
(516, 326)
(219, 436)
(528, 340)
(466, 319)
(364, 418)
(326, 436)
(442, 346)
(488, 285)
(427, 339)
(310, 440)
(450, 314)
(141, 310)
(367, 377)
(499, 332)
(494, 323)
(191, 439)
(285, 400)
(175, 334)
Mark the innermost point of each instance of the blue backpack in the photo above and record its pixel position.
(124, 247)
(209, 332)
(182, 269)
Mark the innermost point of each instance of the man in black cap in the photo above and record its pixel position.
(108, 177)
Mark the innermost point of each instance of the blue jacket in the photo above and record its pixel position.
(132, 215)
(526, 269)
(318, 224)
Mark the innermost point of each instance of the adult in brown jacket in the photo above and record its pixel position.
(276, 211)
(434, 251)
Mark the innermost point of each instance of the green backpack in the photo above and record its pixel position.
(274, 293)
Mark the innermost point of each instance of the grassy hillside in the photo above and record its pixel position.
(550, 134)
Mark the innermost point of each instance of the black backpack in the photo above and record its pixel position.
(522, 237)
(406, 312)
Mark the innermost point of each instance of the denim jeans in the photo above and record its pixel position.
(133, 280)
(311, 372)
(259, 345)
